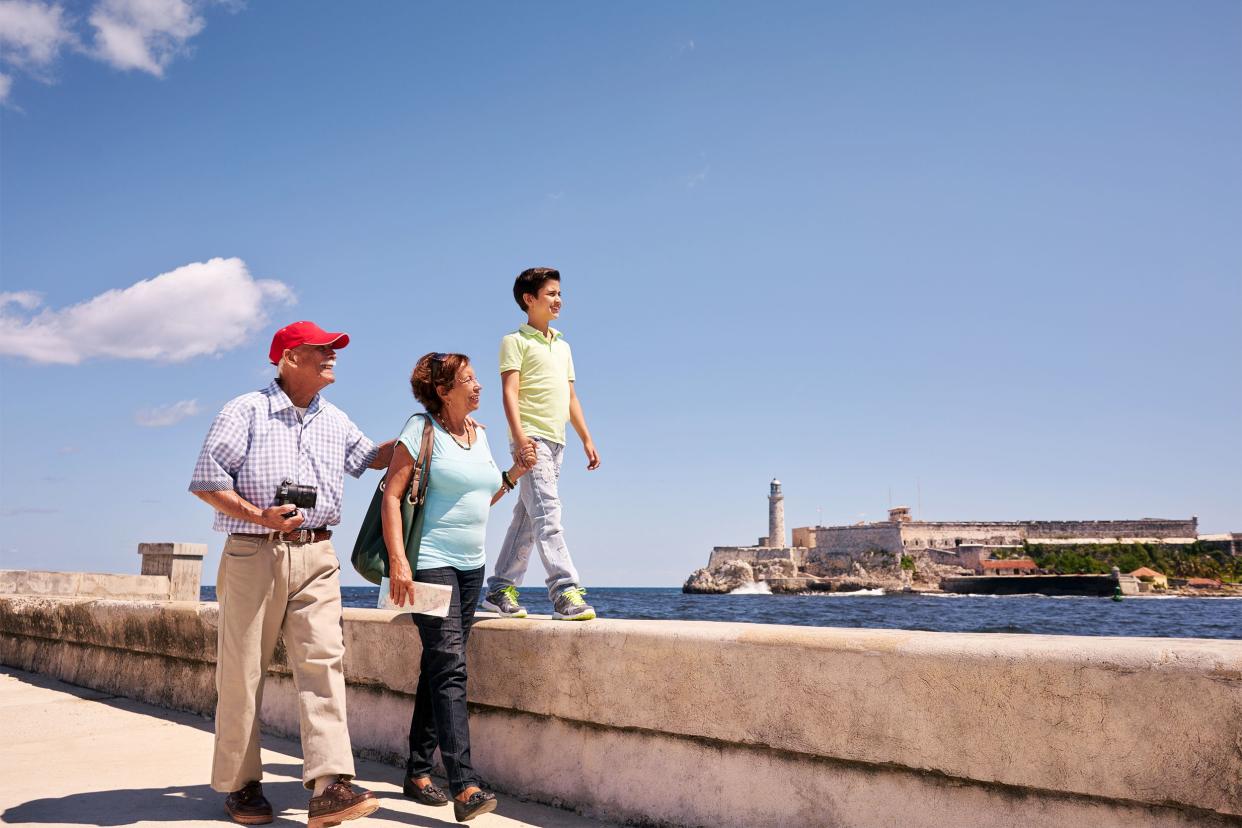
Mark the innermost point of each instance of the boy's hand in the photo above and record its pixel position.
(592, 455)
(524, 451)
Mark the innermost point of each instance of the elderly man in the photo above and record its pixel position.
(279, 572)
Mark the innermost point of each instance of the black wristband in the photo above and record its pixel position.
(507, 480)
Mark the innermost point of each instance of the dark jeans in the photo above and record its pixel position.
(440, 716)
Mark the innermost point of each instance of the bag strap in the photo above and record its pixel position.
(422, 465)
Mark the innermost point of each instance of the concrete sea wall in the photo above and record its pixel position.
(170, 572)
(724, 554)
(1146, 528)
(899, 536)
(1086, 585)
(851, 540)
(700, 723)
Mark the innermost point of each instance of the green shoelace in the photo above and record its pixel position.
(574, 596)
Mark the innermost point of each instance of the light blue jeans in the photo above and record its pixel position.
(537, 523)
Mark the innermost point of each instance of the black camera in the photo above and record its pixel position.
(291, 493)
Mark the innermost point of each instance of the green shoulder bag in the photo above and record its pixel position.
(370, 555)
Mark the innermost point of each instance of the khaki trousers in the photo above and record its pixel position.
(266, 588)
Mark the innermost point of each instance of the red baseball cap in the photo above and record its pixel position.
(303, 333)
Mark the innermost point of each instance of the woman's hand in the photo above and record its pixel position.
(400, 583)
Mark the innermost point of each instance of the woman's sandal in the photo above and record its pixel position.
(480, 802)
(429, 794)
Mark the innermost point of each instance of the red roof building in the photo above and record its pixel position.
(1014, 566)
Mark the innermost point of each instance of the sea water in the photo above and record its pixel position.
(1179, 617)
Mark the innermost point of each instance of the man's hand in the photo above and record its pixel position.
(273, 517)
(383, 456)
(235, 506)
(592, 455)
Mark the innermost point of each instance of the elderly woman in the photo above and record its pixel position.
(464, 483)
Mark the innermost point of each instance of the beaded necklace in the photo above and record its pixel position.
(469, 441)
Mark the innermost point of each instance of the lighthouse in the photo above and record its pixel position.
(776, 515)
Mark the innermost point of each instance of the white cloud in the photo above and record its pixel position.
(196, 310)
(27, 299)
(166, 415)
(128, 34)
(144, 34)
(32, 33)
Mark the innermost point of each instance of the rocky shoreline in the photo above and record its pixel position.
(782, 577)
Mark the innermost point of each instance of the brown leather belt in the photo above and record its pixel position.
(296, 536)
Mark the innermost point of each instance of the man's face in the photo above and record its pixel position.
(317, 362)
(547, 303)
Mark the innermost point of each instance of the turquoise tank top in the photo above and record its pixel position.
(459, 497)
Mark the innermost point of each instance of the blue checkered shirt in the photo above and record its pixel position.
(257, 441)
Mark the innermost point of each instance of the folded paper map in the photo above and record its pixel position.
(429, 599)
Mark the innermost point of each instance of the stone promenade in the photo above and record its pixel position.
(80, 757)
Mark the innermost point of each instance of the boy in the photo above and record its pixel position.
(537, 380)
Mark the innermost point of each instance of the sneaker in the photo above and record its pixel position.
(569, 605)
(340, 802)
(504, 601)
(248, 806)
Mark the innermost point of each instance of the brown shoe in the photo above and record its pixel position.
(429, 794)
(480, 802)
(248, 806)
(338, 803)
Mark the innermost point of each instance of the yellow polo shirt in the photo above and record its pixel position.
(546, 367)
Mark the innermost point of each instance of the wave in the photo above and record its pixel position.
(753, 588)
(876, 591)
(1015, 595)
(1150, 597)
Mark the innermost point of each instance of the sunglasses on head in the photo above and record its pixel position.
(437, 362)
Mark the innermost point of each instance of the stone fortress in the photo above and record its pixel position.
(873, 551)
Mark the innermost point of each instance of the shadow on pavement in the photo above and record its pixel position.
(291, 770)
(384, 814)
(173, 804)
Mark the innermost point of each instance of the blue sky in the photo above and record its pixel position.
(981, 259)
